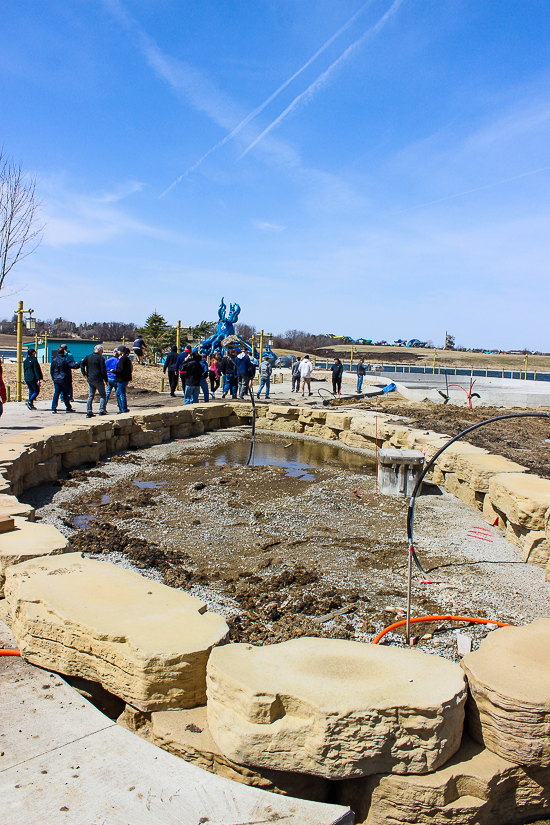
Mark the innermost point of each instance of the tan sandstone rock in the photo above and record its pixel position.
(143, 641)
(185, 733)
(536, 548)
(477, 470)
(28, 541)
(508, 708)
(334, 708)
(11, 506)
(524, 499)
(476, 787)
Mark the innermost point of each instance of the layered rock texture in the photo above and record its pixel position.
(28, 541)
(143, 641)
(185, 733)
(509, 705)
(476, 787)
(334, 708)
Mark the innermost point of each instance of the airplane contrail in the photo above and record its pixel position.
(277, 92)
(322, 77)
(477, 189)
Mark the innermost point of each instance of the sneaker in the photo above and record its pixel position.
(69, 409)
(311, 393)
(224, 394)
(257, 395)
(88, 415)
(104, 412)
(29, 405)
(54, 411)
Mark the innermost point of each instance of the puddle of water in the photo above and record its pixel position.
(105, 499)
(297, 458)
(153, 485)
(83, 522)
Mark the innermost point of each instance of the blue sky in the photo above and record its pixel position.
(397, 186)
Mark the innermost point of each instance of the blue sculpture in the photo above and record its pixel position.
(226, 328)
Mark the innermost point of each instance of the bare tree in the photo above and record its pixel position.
(20, 230)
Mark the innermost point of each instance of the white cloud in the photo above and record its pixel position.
(268, 227)
(121, 192)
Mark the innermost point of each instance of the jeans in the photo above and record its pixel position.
(230, 384)
(204, 388)
(296, 382)
(34, 389)
(336, 385)
(173, 381)
(191, 394)
(244, 386)
(64, 390)
(359, 382)
(264, 382)
(96, 386)
(111, 385)
(121, 396)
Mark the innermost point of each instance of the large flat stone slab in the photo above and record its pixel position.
(66, 763)
(143, 641)
(28, 541)
(334, 708)
(11, 506)
(509, 705)
(524, 499)
(476, 787)
(185, 733)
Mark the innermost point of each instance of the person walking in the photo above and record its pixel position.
(337, 369)
(361, 372)
(111, 365)
(245, 370)
(193, 377)
(3, 394)
(306, 368)
(94, 370)
(139, 346)
(229, 372)
(60, 371)
(180, 366)
(214, 374)
(204, 379)
(170, 366)
(296, 375)
(123, 374)
(265, 377)
(33, 376)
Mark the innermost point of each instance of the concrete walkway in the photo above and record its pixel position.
(63, 761)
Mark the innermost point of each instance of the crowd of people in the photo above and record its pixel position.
(195, 372)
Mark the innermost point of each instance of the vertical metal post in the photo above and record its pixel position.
(409, 590)
(19, 381)
(178, 335)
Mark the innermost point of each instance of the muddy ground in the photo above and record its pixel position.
(308, 548)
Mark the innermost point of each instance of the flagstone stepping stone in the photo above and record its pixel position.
(335, 708)
(509, 706)
(143, 641)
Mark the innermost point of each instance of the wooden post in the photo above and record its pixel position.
(178, 335)
(262, 345)
(19, 381)
(45, 346)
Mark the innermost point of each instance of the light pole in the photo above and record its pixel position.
(30, 323)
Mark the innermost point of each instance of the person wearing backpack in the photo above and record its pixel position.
(265, 377)
(245, 370)
(230, 377)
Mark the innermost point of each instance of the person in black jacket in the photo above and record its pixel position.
(229, 372)
(337, 369)
(193, 377)
(170, 366)
(33, 376)
(93, 368)
(60, 371)
(123, 374)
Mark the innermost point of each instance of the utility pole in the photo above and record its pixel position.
(31, 323)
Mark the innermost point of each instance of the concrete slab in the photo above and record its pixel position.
(67, 763)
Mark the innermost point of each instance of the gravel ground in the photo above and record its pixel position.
(278, 546)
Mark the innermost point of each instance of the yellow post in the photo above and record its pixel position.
(45, 347)
(36, 343)
(19, 382)
(178, 335)
(526, 360)
(162, 384)
(434, 362)
(262, 345)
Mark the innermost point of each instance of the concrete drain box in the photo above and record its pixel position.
(398, 471)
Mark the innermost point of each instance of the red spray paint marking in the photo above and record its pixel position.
(482, 533)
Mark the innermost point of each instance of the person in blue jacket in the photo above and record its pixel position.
(111, 364)
(246, 370)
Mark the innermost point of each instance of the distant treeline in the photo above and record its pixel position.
(61, 328)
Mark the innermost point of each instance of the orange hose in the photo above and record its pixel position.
(421, 619)
(9, 652)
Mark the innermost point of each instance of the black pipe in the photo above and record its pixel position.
(253, 437)
(431, 462)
